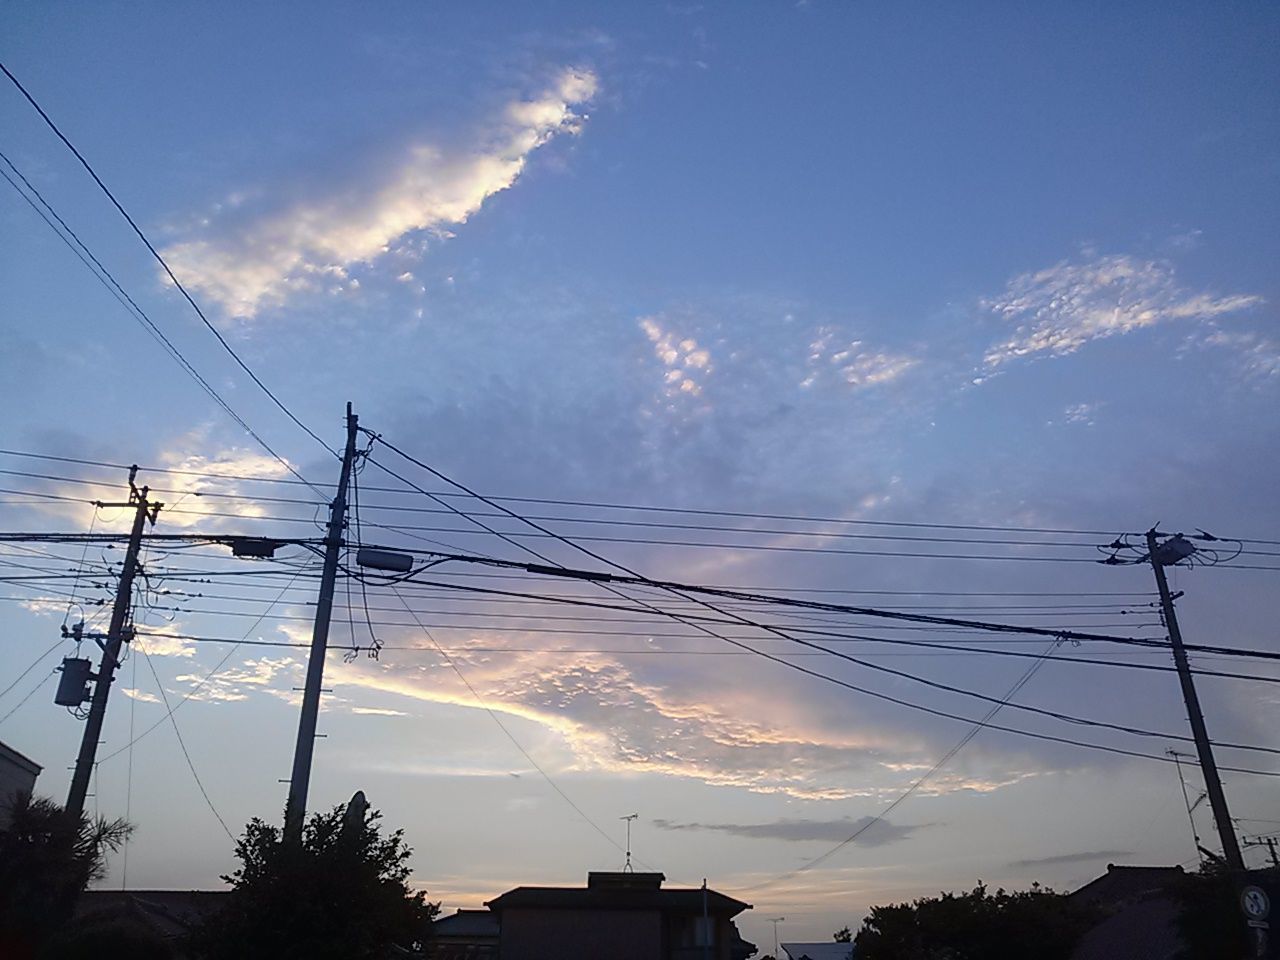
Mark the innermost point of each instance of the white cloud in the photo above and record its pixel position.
(1082, 413)
(313, 243)
(1060, 309)
(265, 674)
(1259, 355)
(614, 717)
(687, 363)
(853, 363)
(204, 492)
(869, 368)
(161, 642)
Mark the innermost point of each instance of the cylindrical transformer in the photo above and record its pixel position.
(73, 685)
(384, 559)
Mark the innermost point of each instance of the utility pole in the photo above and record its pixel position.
(1161, 555)
(1269, 843)
(296, 808)
(117, 635)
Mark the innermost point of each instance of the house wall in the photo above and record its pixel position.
(582, 934)
(683, 943)
(17, 774)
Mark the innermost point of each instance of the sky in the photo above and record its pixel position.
(1007, 266)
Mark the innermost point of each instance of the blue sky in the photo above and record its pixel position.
(1009, 265)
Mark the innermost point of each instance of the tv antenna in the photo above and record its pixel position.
(627, 868)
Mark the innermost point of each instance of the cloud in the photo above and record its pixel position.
(687, 363)
(140, 695)
(1060, 309)
(855, 365)
(234, 684)
(871, 832)
(1258, 355)
(699, 721)
(204, 491)
(314, 243)
(1081, 413)
(160, 642)
(378, 712)
(613, 719)
(1091, 856)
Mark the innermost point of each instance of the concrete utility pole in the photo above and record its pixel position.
(296, 808)
(117, 635)
(1162, 555)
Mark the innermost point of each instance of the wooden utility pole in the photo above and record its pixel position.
(119, 633)
(296, 808)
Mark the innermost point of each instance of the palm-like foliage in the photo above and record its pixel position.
(47, 858)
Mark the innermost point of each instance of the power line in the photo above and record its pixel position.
(1052, 738)
(916, 784)
(182, 744)
(648, 524)
(684, 590)
(510, 736)
(1031, 610)
(645, 524)
(159, 259)
(607, 581)
(34, 690)
(35, 663)
(639, 508)
(949, 648)
(108, 280)
(235, 645)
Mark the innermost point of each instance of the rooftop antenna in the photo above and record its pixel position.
(634, 816)
(775, 921)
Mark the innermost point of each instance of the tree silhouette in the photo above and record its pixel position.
(47, 858)
(975, 926)
(342, 894)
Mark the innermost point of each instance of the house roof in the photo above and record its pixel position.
(1144, 930)
(171, 913)
(467, 923)
(13, 756)
(579, 898)
(823, 950)
(1120, 885)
